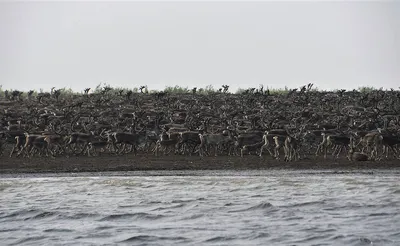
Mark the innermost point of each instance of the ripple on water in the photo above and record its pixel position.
(27, 214)
(260, 206)
(258, 235)
(58, 230)
(397, 191)
(218, 239)
(28, 240)
(192, 216)
(178, 205)
(78, 216)
(310, 239)
(304, 204)
(135, 216)
(223, 210)
(43, 215)
(4, 186)
(146, 238)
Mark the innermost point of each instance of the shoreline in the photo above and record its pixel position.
(175, 162)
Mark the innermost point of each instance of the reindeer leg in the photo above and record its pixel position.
(84, 148)
(335, 147)
(320, 148)
(123, 149)
(194, 149)
(262, 148)
(276, 150)
(394, 151)
(155, 150)
(21, 151)
(338, 149)
(12, 151)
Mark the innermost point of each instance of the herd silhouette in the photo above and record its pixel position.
(296, 124)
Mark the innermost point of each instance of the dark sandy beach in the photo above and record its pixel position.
(175, 162)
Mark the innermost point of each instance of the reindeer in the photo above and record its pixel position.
(3, 139)
(39, 145)
(189, 138)
(323, 145)
(371, 142)
(55, 143)
(246, 139)
(279, 141)
(166, 144)
(356, 156)
(16, 94)
(56, 94)
(78, 138)
(168, 140)
(33, 141)
(338, 142)
(216, 140)
(226, 88)
(30, 93)
(291, 148)
(269, 138)
(251, 147)
(133, 139)
(128, 95)
(19, 137)
(97, 147)
(390, 142)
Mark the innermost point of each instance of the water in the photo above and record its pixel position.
(202, 208)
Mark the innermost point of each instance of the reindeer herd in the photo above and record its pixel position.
(299, 124)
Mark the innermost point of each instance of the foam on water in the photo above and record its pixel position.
(207, 208)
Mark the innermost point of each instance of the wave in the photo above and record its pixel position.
(100, 228)
(192, 217)
(310, 239)
(136, 216)
(82, 215)
(58, 230)
(302, 204)
(178, 205)
(28, 240)
(18, 213)
(260, 235)
(150, 202)
(9, 230)
(219, 239)
(4, 186)
(381, 214)
(261, 206)
(183, 200)
(42, 215)
(146, 238)
(396, 191)
(30, 214)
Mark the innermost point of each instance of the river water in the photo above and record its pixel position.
(202, 208)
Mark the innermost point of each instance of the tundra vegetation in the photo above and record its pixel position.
(283, 124)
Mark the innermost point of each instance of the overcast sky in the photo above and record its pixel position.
(158, 44)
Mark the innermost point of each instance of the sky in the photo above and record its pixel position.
(243, 44)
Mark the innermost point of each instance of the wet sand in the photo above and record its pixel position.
(176, 162)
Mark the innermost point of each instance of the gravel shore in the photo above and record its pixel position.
(174, 162)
